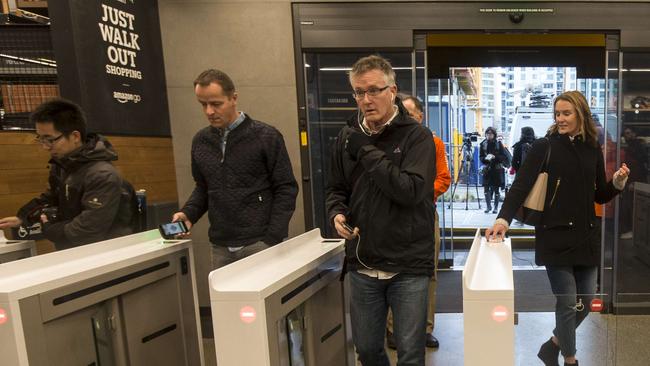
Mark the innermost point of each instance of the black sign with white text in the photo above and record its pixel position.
(109, 60)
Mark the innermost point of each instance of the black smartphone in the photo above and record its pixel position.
(348, 227)
(169, 231)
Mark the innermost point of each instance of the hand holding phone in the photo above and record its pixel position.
(173, 229)
(343, 229)
(348, 227)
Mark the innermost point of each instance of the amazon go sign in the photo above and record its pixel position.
(123, 97)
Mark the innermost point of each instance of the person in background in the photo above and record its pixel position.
(493, 156)
(381, 188)
(86, 194)
(567, 241)
(243, 176)
(441, 184)
(522, 147)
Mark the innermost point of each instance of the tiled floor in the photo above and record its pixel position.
(603, 340)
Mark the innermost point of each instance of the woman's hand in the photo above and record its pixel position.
(622, 173)
(496, 233)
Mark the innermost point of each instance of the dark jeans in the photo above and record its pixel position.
(406, 295)
(571, 286)
(489, 190)
(221, 256)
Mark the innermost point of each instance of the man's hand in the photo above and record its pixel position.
(180, 216)
(9, 222)
(496, 233)
(355, 141)
(341, 230)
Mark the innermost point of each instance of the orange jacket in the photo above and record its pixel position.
(443, 178)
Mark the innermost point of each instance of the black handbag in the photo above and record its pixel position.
(532, 210)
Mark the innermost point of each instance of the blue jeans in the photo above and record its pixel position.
(406, 295)
(571, 285)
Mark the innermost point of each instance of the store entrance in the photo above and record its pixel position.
(469, 82)
(504, 81)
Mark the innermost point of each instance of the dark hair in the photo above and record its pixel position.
(527, 134)
(491, 130)
(416, 101)
(210, 76)
(65, 115)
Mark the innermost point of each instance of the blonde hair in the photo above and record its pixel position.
(586, 125)
(373, 62)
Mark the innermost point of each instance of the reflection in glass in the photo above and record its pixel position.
(102, 332)
(633, 250)
(294, 326)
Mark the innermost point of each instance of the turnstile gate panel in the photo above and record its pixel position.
(125, 301)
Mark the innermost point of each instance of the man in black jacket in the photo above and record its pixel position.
(86, 195)
(381, 185)
(243, 176)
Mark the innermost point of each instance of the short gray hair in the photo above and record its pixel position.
(373, 62)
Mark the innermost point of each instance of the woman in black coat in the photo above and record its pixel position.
(493, 156)
(567, 241)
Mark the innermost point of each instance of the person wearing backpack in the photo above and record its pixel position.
(522, 147)
(86, 201)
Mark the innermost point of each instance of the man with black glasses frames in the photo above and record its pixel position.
(380, 199)
(86, 197)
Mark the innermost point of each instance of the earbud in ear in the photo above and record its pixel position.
(392, 97)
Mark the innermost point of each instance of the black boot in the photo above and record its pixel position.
(571, 364)
(549, 353)
(488, 199)
(497, 197)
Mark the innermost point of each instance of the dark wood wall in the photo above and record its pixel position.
(147, 162)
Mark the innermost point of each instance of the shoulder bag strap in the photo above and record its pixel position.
(544, 166)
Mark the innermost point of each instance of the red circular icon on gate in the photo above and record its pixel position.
(596, 305)
(247, 314)
(3, 316)
(499, 313)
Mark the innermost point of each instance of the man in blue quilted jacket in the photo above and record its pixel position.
(243, 176)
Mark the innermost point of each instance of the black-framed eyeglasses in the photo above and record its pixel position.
(373, 92)
(47, 141)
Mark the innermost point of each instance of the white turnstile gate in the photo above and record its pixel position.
(125, 301)
(488, 304)
(282, 306)
(11, 250)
